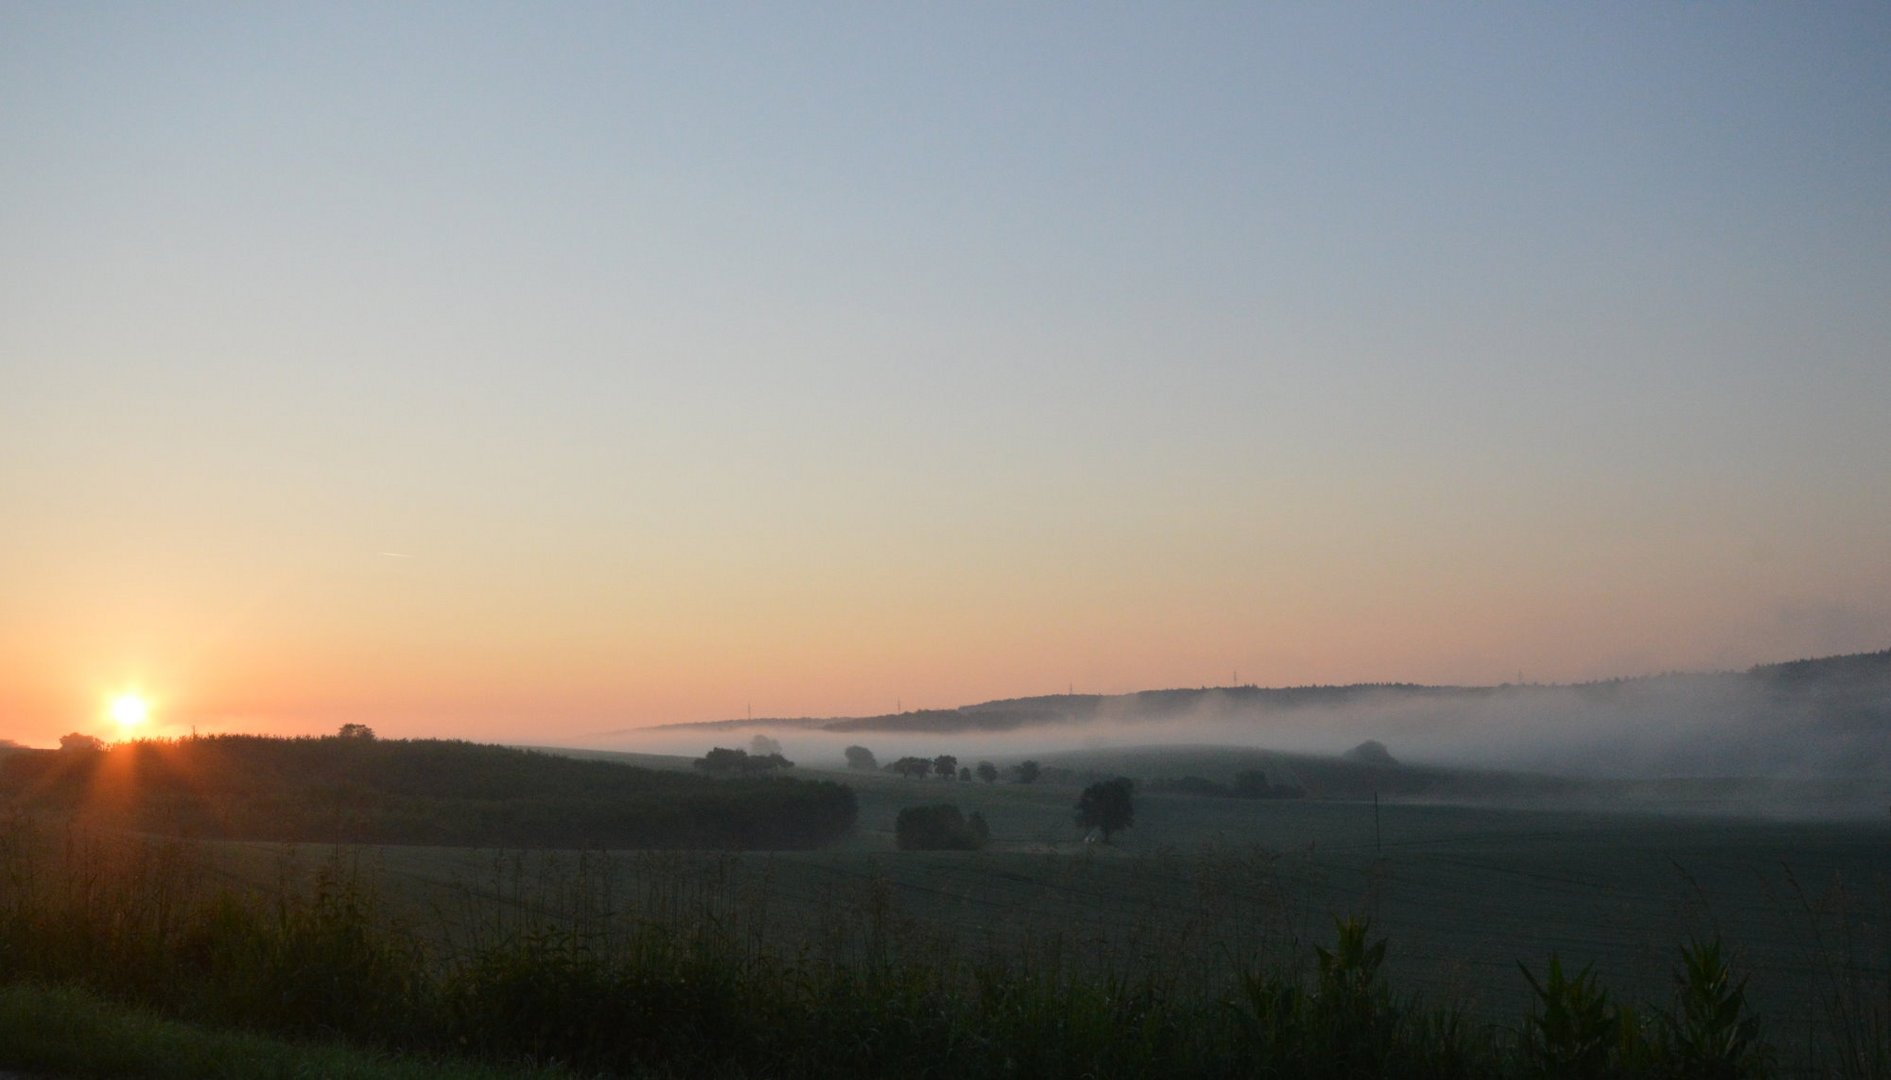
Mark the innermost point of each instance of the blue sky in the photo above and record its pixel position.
(702, 354)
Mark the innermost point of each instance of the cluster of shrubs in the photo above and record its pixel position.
(940, 828)
(725, 762)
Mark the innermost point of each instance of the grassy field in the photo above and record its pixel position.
(66, 1032)
(1202, 926)
(1202, 885)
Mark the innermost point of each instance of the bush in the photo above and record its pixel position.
(725, 762)
(940, 828)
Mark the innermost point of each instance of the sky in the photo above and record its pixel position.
(524, 371)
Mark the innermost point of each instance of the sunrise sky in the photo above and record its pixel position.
(524, 371)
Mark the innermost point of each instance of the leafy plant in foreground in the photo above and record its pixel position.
(1573, 1029)
(1710, 1033)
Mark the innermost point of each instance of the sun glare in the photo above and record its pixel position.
(131, 711)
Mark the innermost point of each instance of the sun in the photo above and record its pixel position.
(131, 711)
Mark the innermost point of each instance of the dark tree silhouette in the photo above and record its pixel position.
(859, 757)
(940, 828)
(725, 762)
(79, 742)
(1107, 806)
(911, 767)
(355, 731)
(946, 765)
(987, 771)
(1028, 772)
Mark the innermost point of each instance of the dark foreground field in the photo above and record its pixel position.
(1190, 946)
(1462, 893)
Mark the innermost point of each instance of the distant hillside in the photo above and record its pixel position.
(1012, 714)
(351, 790)
(1829, 716)
(1313, 775)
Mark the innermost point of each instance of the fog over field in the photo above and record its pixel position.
(1823, 719)
(972, 540)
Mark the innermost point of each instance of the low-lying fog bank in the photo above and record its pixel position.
(1776, 728)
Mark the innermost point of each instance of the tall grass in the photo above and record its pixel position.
(65, 1031)
(1851, 956)
(675, 969)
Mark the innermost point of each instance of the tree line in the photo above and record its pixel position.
(944, 766)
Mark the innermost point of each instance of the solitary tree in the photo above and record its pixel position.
(356, 731)
(987, 771)
(1107, 806)
(79, 742)
(859, 757)
(1028, 772)
(946, 765)
(762, 746)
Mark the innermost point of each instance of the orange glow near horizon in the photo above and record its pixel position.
(130, 711)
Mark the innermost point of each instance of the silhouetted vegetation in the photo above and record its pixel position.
(1107, 806)
(722, 761)
(859, 757)
(318, 957)
(940, 828)
(419, 792)
(913, 768)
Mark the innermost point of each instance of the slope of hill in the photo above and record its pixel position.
(1316, 776)
(349, 790)
(1822, 717)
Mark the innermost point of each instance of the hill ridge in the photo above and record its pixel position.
(1004, 714)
